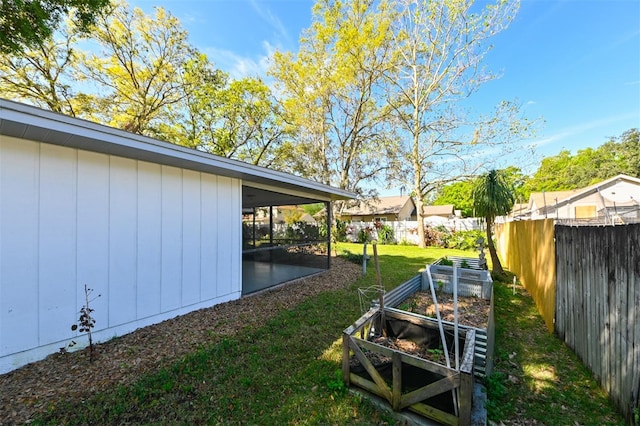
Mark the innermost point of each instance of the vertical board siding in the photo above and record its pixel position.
(224, 220)
(19, 235)
(191, 218)
(92, 227)
(209, 232)
(122, 240)
(597, 303)
(149, 239)
(171, 291)
(57, 241)
(153, 241)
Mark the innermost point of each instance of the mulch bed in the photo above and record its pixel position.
(31, 389)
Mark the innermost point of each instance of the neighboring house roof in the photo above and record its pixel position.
(444, 210)
(384, 205)
(537, 200)
(609, 197)
(29, 122)
(519, 208)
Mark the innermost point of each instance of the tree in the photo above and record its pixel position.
(24, 24)
(493, 196)
(439, 47)
(619, 155)
(458, 194)
(139, 72)
(250, 128)
(332, 95)
(42, 75)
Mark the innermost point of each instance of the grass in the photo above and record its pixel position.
(288, 370)
(536, 376)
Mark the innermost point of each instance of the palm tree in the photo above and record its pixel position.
(493, 196)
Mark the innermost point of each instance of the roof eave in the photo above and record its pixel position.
(29, 122)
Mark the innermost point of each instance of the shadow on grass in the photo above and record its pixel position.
(536, 377)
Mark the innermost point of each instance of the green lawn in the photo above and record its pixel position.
(287, 371)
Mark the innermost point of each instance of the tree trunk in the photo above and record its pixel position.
(421, 237)
(495, 260)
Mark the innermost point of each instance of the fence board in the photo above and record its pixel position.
(597, 303)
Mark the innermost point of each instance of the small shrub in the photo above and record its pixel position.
(433, 237)
(352, 257)
(386, 235)
(446, 262)
(340, 231)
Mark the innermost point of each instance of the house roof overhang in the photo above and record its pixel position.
(259, 183)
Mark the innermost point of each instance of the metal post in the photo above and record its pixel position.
(327, 206)
(364, 259)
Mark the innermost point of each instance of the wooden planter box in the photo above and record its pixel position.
(406, 381)
(485, 337)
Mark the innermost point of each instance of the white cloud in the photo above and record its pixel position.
(239, 66)
(272, 20)
(577, 129)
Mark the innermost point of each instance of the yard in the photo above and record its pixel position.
(275, 358)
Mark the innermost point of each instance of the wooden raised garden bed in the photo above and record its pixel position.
(475, 312)
(398, 365)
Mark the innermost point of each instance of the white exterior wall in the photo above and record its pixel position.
(154, 241)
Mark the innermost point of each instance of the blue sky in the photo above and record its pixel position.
(574, 63)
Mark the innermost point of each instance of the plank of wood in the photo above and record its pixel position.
(396, 387)
(445, 384)
(384, 390)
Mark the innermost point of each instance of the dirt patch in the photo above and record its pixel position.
(472, 311)
(31, 389)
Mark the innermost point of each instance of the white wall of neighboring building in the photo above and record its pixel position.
(153, 241)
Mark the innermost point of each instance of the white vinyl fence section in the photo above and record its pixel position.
(407, 230)
(153, 241)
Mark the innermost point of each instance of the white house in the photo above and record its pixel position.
(614, 200)
(155, 229)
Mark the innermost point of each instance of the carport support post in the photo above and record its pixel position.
(270, 233)
(327, 207)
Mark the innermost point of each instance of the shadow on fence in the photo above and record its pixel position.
(586, 283)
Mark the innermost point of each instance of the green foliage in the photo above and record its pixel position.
(446, 262)
(462, 240)
(497, 393)
(342, 131)
(458, 194)
(302, 231)
(312, 209)
(340, 231)
(364, 235)
(242, 378)
(24, 24)
(493, 195)
(619, 155)
(85, 324)
(386, 235)
(352, 257)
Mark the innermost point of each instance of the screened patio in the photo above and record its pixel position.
(281, 241)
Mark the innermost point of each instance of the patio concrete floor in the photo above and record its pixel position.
(258, 276)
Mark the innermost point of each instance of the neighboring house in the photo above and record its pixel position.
(384, 209)
(154, 228)
(614, 200)
(445, 211)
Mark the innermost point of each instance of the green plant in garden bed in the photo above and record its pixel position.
(287, 371)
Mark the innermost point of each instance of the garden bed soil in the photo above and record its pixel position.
(472, 311)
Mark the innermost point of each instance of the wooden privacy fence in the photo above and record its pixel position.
(597, 303)
(527, 249)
